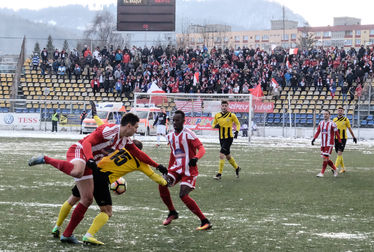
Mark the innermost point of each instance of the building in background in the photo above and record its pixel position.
(346, 32)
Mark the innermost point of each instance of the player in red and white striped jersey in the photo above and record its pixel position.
(183, 168)
(81, 159)
(328, 131)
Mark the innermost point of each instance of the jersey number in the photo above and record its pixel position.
(121, 157)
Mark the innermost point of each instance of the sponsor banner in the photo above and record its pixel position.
(70, 120)
(257, 104)
(199, 123)
(20, 120)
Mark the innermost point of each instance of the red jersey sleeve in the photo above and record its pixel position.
(198, 145)
(318, 131)
(139, 154)
(92, 139)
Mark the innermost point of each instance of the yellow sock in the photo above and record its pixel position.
(64, 211)
(98, 120)
(233, 163)
(221, 164)
(98, 223)
(342, 161)
(337, 162)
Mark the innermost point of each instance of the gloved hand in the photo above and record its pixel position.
(193, 161)
(236, 134)
(162, 169)
(92, 164)
(216, 126)
(355, 140)
(313, 141)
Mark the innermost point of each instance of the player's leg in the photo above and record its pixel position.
(65, 210)
(186, 188)
(166, 198)
(85, 186)
(329, 162)
(342, 170)
(158, 139)
(104, 201)
(233, 164)
(221, 163)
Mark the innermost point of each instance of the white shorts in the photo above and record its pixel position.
(161, 129)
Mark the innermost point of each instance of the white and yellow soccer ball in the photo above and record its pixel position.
(119, 186)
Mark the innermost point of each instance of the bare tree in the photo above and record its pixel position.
(306, 40)
(102, 30)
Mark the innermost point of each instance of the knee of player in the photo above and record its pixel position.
(107, 210)
(87, 200)
(77, 173)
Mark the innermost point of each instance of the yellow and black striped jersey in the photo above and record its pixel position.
(121, 162)
(225, 122)
(343, 124)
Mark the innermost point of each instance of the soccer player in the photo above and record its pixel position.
(110, 168)
(81, 160)
(343, 124)
(160, 121)
(183, 168)
(224, 121)
(328, 130)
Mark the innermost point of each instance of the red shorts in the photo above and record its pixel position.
(185, 180)
(326, 151)
(75, 152)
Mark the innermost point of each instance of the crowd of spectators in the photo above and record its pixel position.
(199, 70)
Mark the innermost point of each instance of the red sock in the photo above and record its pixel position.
(62, 165)
(76, 218)
(324, 165)
(165, 196)
(191, 204)
(331, 164)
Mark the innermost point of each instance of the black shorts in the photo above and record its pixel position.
(101, 189)
(225, 145)
(340, 146)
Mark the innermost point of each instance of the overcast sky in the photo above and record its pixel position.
(316, 12)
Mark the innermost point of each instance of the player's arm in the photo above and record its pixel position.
(337, 135)
(201, 151)
(215, 124)
(152, 175)
(237, 123)
(351, 131)
(155, 122)
(94, 138)
(139, 154)
(316, 135)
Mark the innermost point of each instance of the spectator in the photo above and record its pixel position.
(61, 71)
(118, 87)
(95, 84)
(35, 62)
(77, 72)
(44, 55)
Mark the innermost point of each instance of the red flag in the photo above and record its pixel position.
(257, 91)
(293, 51)
(274, 83)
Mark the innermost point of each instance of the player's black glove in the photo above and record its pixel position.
(355, 140)
(92, 164)
(93, 108)
(216, 126)
(162, 169)
(313, 141)
(236, 134)
(193, 161)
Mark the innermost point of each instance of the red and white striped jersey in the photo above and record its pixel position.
(328, 131)
(183, 147)
(104, 138)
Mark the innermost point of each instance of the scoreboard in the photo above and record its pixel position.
(146, 15)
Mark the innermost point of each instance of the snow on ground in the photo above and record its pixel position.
(343, 236)
(255, 141)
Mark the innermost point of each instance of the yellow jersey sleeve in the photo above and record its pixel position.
(151, 174)
(236, 121)
(215, 121)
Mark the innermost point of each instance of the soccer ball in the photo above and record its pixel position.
(119, 186)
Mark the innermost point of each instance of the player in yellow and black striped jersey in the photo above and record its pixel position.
(343, 125)
(224, 121)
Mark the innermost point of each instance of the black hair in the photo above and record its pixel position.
(138, 144)
(180, 112)
(129, 118)
(224, 102)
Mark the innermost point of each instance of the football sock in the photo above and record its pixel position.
(76, 217)
(98, 120)
(98, 223)
(324, 165)
(165, 196)
(191, 204)
(341, 162)
(221, 164)
(337, 161)
(233, 163)
(64, 211)
(331, 164)
(63, 165)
